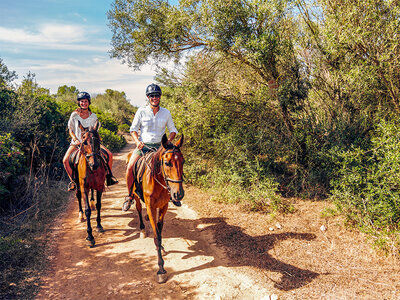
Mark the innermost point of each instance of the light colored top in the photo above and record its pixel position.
(74, 126)
(152, 127)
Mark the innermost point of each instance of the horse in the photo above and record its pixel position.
(91, 173)
(161, 181)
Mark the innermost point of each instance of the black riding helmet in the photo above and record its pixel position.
(83, 95)
(153, 89)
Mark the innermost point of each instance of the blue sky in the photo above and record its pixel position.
(66, 42)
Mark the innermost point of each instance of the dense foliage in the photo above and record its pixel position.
(273, 94)
(34, 134)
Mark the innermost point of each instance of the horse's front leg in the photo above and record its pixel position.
(98, 207)
(157, 228)
(92, 206)
(79, 197)
(88, 213)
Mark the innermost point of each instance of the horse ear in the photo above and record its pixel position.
(96, 125)
(164, 141)
(179, 142)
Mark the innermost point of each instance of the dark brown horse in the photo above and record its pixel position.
(161, 181)
(91, 174)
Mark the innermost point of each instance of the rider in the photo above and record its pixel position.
(151, 121)
(88, 119)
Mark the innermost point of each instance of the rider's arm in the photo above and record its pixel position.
(73, 137)
(135, 137)
(171, 136)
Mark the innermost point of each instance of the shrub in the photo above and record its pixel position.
(11, 164)
(368, 189)
(112, 141)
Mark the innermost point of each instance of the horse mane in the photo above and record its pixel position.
(155, 162)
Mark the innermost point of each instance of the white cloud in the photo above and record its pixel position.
(53, 36)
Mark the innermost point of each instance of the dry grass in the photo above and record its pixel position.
(24, 236)
(292, 256)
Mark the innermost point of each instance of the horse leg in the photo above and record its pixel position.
(88, 212)
(139, 210)
(98, 207)
(81, 219)
(160, 225)
(161, 274)
(92, 206)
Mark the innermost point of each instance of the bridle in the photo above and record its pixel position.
(81, 148)
(166, 178)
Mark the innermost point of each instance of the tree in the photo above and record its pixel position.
(6, 76)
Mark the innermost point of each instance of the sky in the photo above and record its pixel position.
(67, 42)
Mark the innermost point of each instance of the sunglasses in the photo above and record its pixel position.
(154, 96)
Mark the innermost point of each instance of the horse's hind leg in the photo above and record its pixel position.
(98, 207)
(139, 210)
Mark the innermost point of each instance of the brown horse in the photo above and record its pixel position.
(91, 174)
(161, 181)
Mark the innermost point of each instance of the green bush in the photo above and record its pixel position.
(111, 140)
(368, 188)
(11, 163)
(123, 128)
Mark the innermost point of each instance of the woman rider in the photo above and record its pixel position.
(87, 118)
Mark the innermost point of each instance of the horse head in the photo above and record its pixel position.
(172, 167)
(91, 145)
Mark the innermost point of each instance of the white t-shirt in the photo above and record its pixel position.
(74, 126)
(152, 127)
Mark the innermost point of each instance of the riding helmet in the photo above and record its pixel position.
(83, 95)
(153, 89)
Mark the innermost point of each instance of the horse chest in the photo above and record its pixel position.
(95, 179)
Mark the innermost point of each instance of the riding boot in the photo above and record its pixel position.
(111, 180)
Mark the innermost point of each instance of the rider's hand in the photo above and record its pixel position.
(140, 145)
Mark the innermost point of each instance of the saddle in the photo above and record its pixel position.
(138, 171)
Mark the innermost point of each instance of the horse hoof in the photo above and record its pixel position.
(143, 234)
(81, 219)
(100, 229)
(91, 242)
(162, 278)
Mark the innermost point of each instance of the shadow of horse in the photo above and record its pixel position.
(246, 250)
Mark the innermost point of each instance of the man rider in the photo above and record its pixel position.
(147, 129)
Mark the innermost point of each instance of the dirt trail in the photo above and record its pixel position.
(216, 251)
(124, 266)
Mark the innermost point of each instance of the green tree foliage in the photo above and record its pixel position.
(6, 76)
(116, 105)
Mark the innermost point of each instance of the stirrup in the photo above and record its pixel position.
(111, 180)
(127, 204)
(71, 186)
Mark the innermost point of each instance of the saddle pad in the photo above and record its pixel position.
(141, 165)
